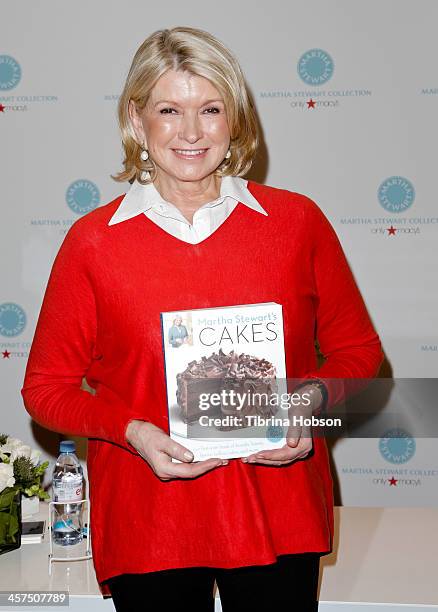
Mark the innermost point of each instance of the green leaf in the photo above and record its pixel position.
(9, 524)
(4, 527)
(13, 525)
(6, 497)
(42, 467)
(8, 528)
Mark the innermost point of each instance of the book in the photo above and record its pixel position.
(225, 369)
(32, 532)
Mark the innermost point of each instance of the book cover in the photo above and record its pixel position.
(225, 369)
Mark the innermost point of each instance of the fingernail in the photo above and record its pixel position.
(225, 462)
(245, 459)
(260, 457)
(188, 455)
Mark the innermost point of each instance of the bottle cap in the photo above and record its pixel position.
(67, 446)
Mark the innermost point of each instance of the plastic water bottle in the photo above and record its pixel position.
(68, 487)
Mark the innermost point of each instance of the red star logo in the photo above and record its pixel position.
(391, 231)
(311, 103)
(6, 354)
(2, 108)
(393, 482)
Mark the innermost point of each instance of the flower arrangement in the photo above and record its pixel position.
(20, 468)
(20, 474)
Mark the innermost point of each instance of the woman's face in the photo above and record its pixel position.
(184, 126)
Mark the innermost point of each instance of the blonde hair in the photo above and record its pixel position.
(200, 53)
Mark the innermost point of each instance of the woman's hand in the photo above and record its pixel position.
(299, 441)
(157, 448)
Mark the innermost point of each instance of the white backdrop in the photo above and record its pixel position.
(339, 122)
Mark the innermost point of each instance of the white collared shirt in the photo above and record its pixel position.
(147, 200)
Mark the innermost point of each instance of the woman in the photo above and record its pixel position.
(192, 233)
(177, 333)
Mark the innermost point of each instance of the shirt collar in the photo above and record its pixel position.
(140, 198)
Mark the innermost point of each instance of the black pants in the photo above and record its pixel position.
(289, 585)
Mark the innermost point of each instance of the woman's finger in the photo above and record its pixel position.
(171, 470)
(286, 453)
(293, 435)
(278, 462)
(175, 450)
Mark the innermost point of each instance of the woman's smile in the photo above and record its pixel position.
(190, 153)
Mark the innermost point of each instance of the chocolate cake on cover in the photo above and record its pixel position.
(243, 373)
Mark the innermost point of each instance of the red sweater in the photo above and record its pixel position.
(100, 318)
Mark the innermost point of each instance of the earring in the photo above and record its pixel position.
(145, 175)
(228, 155)
(144, 155)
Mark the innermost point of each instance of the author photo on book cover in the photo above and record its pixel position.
(189, 231)
(178, 333)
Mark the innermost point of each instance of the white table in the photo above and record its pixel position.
(384, 557)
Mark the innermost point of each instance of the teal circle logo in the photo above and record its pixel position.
(274, 433)
(12, 319)
(315, 67)
(10, 72)
(82, 196)
(397, 445)
(396, 194)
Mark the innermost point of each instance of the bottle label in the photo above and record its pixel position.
(64, 526)
(70, 490)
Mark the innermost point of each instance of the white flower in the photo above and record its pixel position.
(15, 447)
(35, 456)
(20, 451)
(13, 442)
(6, 476)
